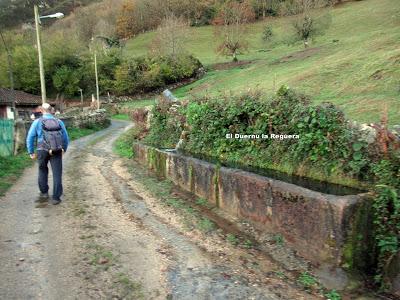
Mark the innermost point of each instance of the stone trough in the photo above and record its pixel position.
(325, 229)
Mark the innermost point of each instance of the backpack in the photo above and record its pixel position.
(52, 135)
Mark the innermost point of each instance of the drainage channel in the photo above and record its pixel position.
(308, 183)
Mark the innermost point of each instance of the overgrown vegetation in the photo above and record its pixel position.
(325, 150)
(166, 125)
(145, 74)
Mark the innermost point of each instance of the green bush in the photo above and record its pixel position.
(328, 147)
(144, 74)
(267, 33)
(326, 142)
(166, 125)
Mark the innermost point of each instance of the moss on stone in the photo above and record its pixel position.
(191, 178)
(216, 184)
(358, 250)
(157, 161)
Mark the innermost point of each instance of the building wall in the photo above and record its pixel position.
(10, 114)
(3, 112)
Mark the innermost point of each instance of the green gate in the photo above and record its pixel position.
(6, 137)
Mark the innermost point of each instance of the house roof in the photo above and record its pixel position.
(21, 98)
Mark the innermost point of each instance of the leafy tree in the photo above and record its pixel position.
(26, 69)
(66, 80)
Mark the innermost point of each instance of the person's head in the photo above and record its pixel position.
(46, 108)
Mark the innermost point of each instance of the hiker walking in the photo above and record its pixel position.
(52, 141)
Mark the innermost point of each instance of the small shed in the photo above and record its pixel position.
(25, 103)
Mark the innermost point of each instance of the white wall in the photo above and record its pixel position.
(10, 114)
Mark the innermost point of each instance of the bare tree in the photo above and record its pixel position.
(170, 36)
(264, 7)
(231, 29)
(310, 21)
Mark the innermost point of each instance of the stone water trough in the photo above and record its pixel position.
(325, 229)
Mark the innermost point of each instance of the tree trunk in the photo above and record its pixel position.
(235, 59)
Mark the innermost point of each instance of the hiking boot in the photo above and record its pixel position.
(55, 201)
(43, 197)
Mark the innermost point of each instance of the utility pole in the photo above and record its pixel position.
(80, 90)
(11, 75)
(97, 80)
(39, 48)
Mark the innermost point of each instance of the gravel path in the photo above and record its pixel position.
(111, 239)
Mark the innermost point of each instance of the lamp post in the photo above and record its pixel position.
(39, 47)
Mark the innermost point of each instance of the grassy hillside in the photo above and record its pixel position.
(360, 72)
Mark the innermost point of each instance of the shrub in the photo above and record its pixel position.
(166, 125)
(267, 33)
(328, 148)
(145, 74)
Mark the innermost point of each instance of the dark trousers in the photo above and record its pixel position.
(56, 167)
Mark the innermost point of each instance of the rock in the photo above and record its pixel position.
(88, 118)
(368, 134)
(169, 96)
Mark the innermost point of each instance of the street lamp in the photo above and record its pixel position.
(39, 47)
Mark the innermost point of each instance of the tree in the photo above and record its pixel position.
(170, 37)
(309, 21)
(231, 29)
(66, 80)
(125, 26)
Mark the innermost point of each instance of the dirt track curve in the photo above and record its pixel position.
(111, 239)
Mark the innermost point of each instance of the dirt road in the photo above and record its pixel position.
(111, 238)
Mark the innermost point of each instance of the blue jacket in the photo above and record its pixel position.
(36, 132)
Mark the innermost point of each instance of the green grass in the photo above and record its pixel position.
(360, 73)
(307, 280)
(123, 146)
(11, 168)
(138, 103)
(123, 117)
(76, 133)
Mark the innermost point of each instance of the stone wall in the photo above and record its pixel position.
(87, 119)
(325, 229)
